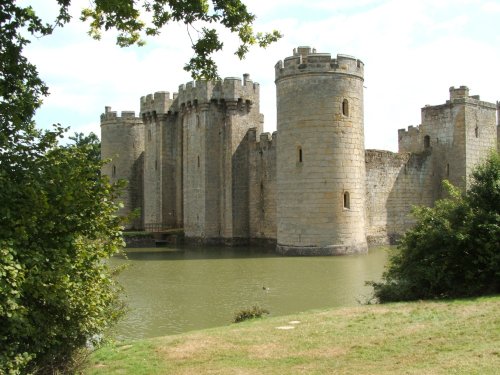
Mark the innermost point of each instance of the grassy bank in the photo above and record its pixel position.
(451, 337)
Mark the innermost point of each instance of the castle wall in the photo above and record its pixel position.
(262, 186)
(459, 134)
(480, 132)
(245, 116)
(122, 141)
(194, 172)
(320, 156)
(152, 171)
(200, 160)
(394, 183)
(171, 169)
(216, 118)
(163, 148)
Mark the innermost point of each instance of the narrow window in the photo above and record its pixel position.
(427, 141)
(149, 134)
(156, 164)
(113, 171)
(476, 131)
(345, 107)
(197, 121)
(198, 161)
(347, 200)
(299, 154)
(447, 170)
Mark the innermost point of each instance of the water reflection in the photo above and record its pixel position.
(173, 290)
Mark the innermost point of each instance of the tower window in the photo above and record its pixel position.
(476, 131)
(198, 161)
(113, 171)
(345, 107)
(156, 164)
(347, 200)
(149, 134)
(299, 154)
(447, 170)
(427, 141)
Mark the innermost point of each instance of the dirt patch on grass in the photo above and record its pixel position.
(268, 351)
(413, 328)
(194, 347)
(327, 352)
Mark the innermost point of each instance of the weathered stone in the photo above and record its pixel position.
(199, 160)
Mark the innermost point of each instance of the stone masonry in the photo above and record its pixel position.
(199, 160)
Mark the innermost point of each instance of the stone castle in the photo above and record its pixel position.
(199, 159)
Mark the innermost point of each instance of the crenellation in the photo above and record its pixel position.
(110, 117)
(200, 160)
(318, 63)
(158, 103)
(128, 114)
(228, 90)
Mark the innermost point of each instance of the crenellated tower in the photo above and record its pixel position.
(215, 118)
(122, 141)
(459, 134)
(320, 155)
(162, 161)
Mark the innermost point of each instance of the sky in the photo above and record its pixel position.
(413, 51)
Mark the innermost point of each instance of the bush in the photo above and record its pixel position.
(454, 248)
(57, 226)
(251, 313)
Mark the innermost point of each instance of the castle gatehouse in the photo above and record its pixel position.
(198, 159)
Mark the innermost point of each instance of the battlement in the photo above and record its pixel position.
(230, 89)
(461, 92)
(111, 117)
(409, 139)
(160, 103)
(461, 95)
(306, 60)
(267, 141)
(410, 131)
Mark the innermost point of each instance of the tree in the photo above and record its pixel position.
(57, 213)
(127, 17)
(454, 248)
(91, 142)
(57, 224)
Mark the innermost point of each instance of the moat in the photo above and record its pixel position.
(174, 290)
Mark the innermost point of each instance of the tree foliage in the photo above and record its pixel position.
(57, 213)
(454, 249)
(57, 224)
(90, 142)
(128, 18)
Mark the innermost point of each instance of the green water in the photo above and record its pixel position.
(170, 291)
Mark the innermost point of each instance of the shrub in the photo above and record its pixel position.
(57, 226)
(251, 313)
(454, 248)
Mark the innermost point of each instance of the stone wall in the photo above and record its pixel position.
(459, 133)
(216, 119)
(480, 132)
(320, 155)
(122, 141)
(199, 159)
(262, 186)
(394, 183)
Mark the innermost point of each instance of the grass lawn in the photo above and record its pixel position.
(444, 337)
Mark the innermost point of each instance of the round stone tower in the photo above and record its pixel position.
(122, 141)
(320, 154)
